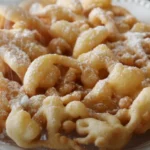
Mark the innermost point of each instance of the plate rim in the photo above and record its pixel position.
(143, 3)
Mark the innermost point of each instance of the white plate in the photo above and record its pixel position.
(141, 10)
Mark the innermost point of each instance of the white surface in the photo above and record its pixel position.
(139, 8)
(9, 1)
(3, 146)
